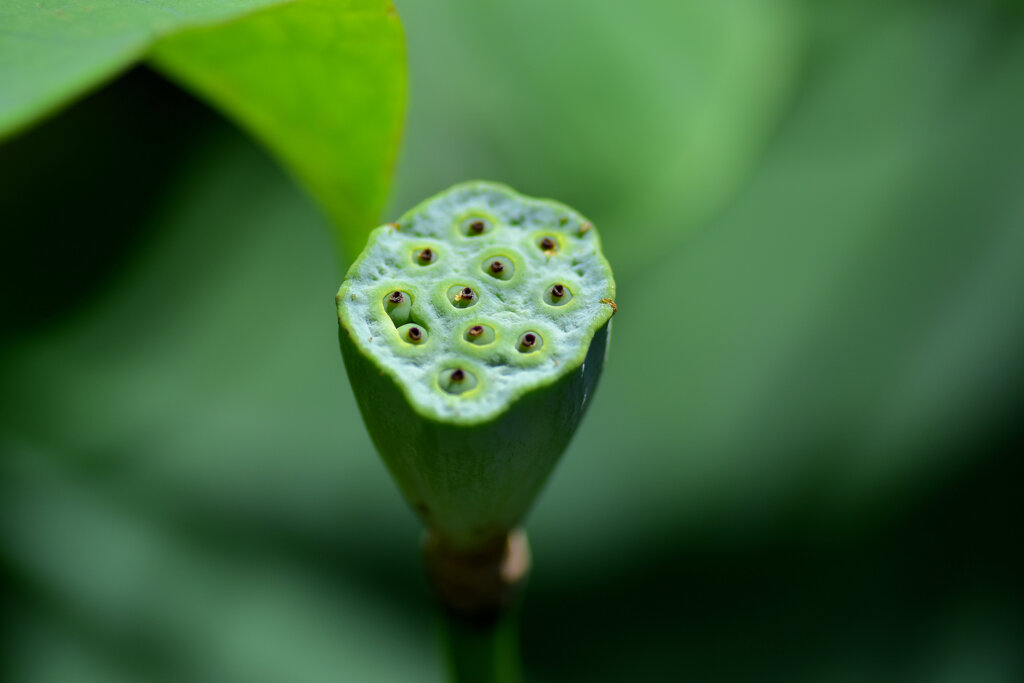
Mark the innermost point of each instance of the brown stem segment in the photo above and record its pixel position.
(479, 585)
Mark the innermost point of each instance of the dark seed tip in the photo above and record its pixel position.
(529, 340)
(457, 375)
(558, 291)
(477, 226)
(467, 293)
(415, 334)
(427, 255)
(396, 297)
(476, 330)
(547, 244)
(497, 266)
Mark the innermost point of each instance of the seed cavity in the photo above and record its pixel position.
(529, 342)
(462, 296)
(456, 380)
(412, 333)
(426, 256)
(475, 226)
(557, 295)
(398, 306)
(499, 267)
(548, 245)
(478, 334)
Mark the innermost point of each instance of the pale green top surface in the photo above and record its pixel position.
(511, 307)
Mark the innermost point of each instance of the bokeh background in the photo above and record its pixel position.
(804, 460)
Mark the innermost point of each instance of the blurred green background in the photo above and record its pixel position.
(803, 463)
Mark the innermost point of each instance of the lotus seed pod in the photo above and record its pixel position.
(474, 331)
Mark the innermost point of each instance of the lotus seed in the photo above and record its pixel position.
(457, 381)
(557, 295)
(475, 226)
(412, 333)
(426, 257)
(530, 342)
(398, 306)
(548, 245)
(499, 267)
(480, 335)
(462, 296)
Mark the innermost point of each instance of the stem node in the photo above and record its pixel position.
(479, 585)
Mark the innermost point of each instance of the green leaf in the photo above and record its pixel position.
(52, 52)
(320, 82)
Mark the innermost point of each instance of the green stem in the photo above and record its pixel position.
(482, 653)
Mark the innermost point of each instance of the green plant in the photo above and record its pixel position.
(474, 331)
(827, 193)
